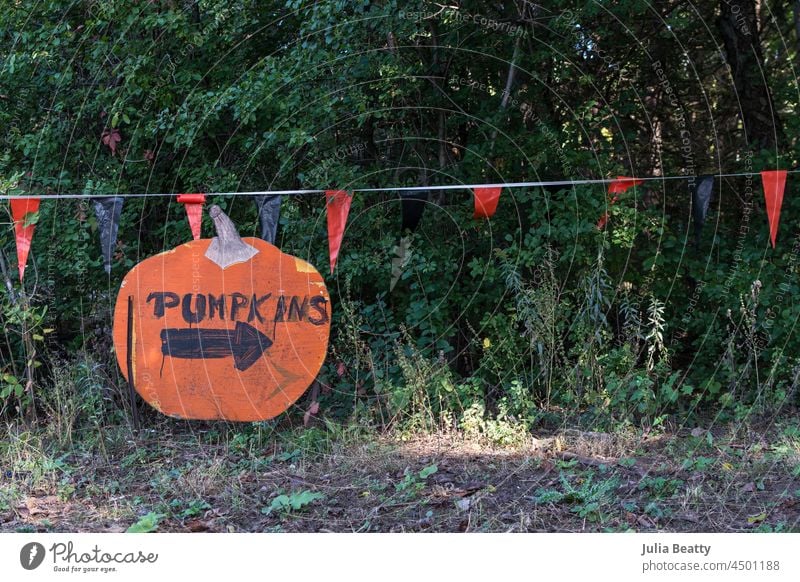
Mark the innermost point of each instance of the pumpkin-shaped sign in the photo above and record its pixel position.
(223, 328)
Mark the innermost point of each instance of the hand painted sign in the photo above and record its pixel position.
(224, 328)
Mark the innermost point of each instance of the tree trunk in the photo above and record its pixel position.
(738, 24)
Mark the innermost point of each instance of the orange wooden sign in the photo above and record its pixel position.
(224, 328)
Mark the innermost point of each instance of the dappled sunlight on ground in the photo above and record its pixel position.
(308, 480)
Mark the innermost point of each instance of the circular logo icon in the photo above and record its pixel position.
(31, 555)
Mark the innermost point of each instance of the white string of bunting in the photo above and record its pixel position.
(486, 198)
(306, 192)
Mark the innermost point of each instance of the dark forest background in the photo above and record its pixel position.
(529, 317)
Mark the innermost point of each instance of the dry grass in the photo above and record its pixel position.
(221, 479)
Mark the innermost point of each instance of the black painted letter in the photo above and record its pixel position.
(199, 306)
(239, 301)
(281, 309)
(255, 303)
(217, 305)
(298, 311)
(320, 305)
(163, 299)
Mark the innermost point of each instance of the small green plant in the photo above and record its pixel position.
(288, 456)
(292, 502)
(184, 510)
(414, 482)
(660, 486)
(74, 400)
(698, 463)
(147, 523)
(503, 430)
(588, 498)
(24, 332)
(653, 509)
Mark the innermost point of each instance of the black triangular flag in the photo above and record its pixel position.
(108, 211)
(412, 205)
(701, 197)
(269, 211)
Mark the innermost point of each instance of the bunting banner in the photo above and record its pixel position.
(774, 182)
(701, 198)
(194, 211)
(337, 203)
(412, 205)
(269, 212)
(108, 211)
(486, 200)
(616, 187)
(24, 213)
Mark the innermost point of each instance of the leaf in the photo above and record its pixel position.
(30, 219)
(428, 471)
(111, 138)
(303, 498)
(147, 523)
(294, 501)
(280, 503)
(757, 518)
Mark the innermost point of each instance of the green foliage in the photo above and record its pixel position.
(588, 499)
(493, 324)
(294, 501)
(75, 401)
(147, 523)
(188, 509)
(413, 482)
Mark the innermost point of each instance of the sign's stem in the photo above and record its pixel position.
(131, 386)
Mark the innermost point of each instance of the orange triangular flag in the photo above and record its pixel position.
(20, 209)
(486, 200)
(774, 182)
(618, 186)
(622, 183)
(337, 203)
(194, 211)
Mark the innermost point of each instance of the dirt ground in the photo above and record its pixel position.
(206, 480)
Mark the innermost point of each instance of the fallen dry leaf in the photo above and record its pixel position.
(41, 505)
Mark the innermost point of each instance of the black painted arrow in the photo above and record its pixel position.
(245, 343)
